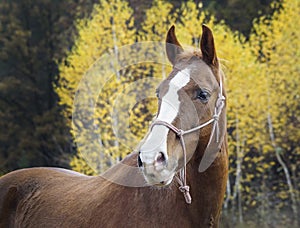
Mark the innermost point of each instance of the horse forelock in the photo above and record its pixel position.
(188, 54)
(191, 54)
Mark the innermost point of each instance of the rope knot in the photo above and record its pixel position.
(220, 101)
(180, 132)
(184, 188)
(216, 117)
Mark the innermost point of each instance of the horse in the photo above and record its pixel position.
(183, 190)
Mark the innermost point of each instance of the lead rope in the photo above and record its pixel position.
(181, 180)
(183, 187)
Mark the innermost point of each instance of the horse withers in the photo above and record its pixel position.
(183, 159)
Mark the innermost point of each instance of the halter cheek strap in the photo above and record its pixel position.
(183, 187)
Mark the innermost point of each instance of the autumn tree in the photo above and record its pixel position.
(110, 27)
(276, 41)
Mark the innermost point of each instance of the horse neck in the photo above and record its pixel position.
(208, 187)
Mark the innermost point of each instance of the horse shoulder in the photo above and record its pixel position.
(8, 204)
(26, 193)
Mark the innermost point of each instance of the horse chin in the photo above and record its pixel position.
(165, 183)
(160, 183)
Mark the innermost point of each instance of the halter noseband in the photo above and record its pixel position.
(183, 187)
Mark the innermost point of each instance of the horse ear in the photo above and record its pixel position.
(173, 48)
(207, 47)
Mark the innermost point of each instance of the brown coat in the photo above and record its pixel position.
(50, 197)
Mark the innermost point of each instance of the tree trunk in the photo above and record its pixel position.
(285, 169)
(237, 195)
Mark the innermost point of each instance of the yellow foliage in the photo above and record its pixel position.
(103, 33)
(262, 78)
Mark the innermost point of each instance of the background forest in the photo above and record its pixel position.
(48, 45)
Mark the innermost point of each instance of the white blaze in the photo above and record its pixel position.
(157, 139)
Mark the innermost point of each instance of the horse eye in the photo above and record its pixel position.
(203, 95)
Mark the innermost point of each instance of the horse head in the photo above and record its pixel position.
(190, 114)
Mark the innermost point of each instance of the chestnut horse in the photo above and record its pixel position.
(190, 127)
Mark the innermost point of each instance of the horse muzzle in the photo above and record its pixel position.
(159, 171)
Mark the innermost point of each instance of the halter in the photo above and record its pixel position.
(183, 187)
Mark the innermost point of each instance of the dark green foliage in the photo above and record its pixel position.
(239, 14)
(35, 36)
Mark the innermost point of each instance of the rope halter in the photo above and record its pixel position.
(183, 187)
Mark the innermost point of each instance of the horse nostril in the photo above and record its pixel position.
(140, 163)
(161, 158)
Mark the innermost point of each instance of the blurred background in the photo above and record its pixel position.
(46, 46)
